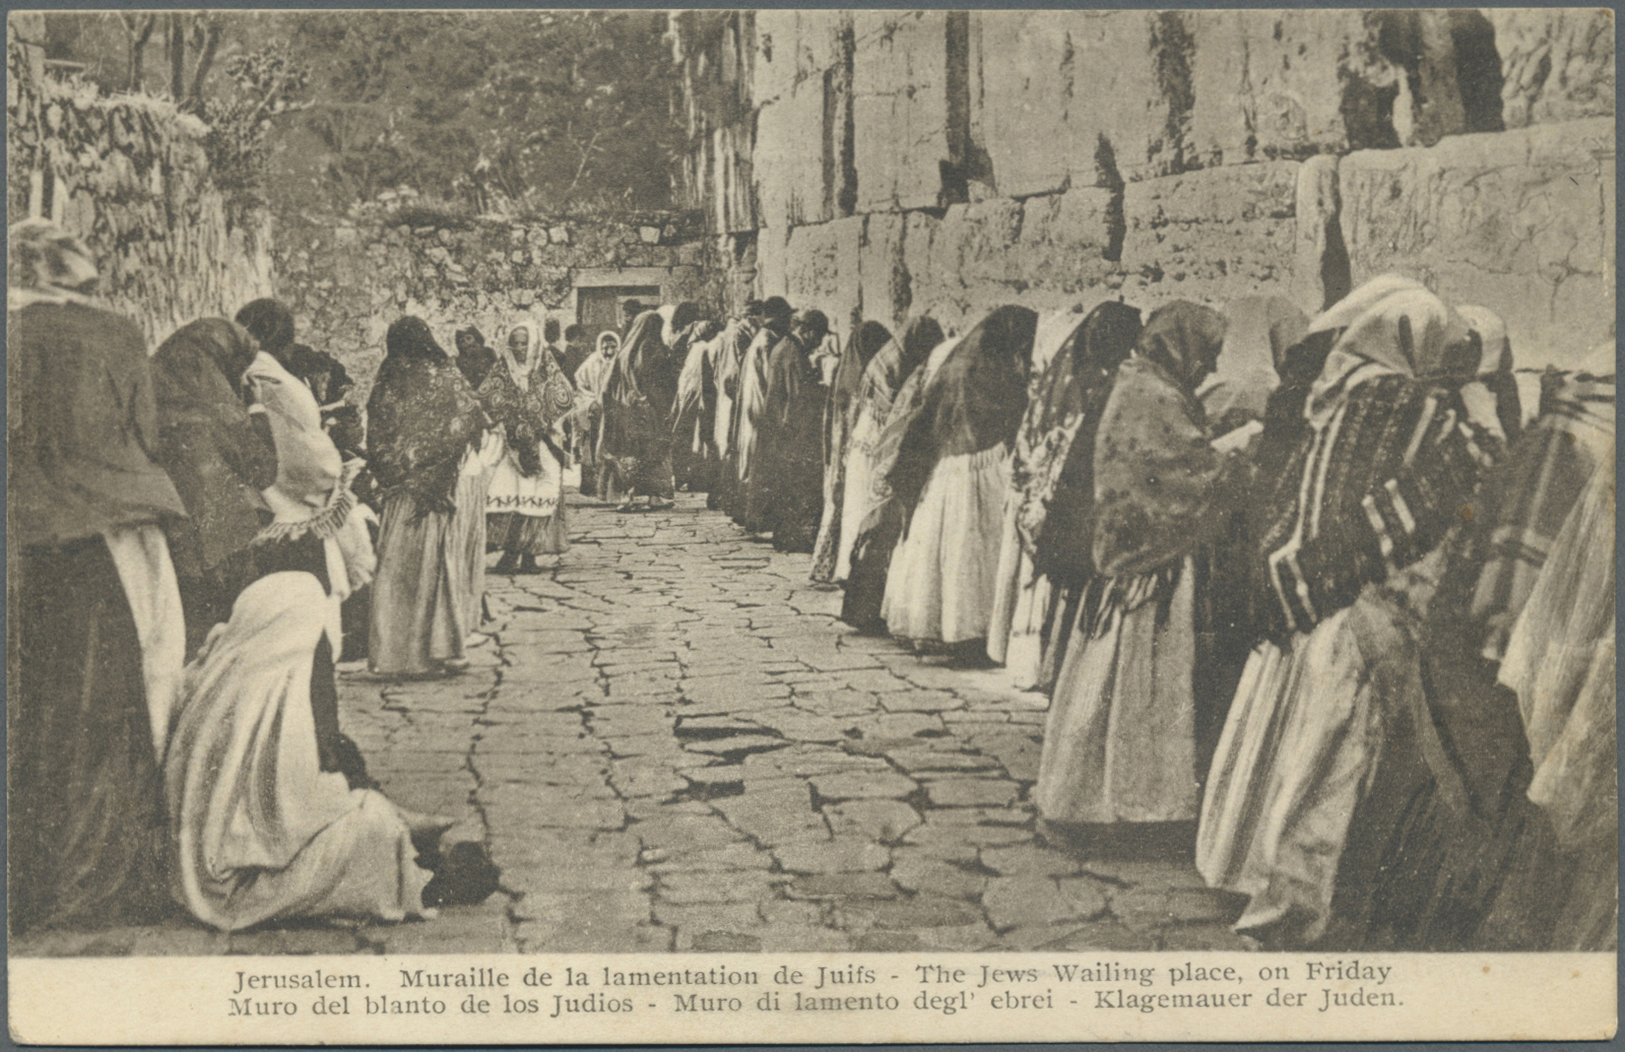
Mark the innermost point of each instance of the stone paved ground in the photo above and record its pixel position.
(670, 743)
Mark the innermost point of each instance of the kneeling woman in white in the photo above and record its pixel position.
(258, 831)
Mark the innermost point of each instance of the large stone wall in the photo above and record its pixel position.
(900, 161)
(130, 176)
(348, 277)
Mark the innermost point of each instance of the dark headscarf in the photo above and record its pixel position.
(1183, 338)
(422, 416)
(973, 403)
(270, 323)
(1054, 469)
(640, 390)
(476, 364)
(861, 349)
(217, 459)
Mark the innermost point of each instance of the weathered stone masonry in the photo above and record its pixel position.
(129, 175)
(876, 163)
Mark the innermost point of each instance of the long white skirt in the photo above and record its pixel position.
(1021, 606)
(944, 572)
(259, 831)
(1120, 739)
(860, 471)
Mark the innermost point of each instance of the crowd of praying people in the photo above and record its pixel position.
(1333, 595)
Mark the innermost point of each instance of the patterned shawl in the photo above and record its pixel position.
(1155, 471)
(1054, 464)
(207, 442)
(422, 416)
(1388, 460)
(974, 400)
(528, 402)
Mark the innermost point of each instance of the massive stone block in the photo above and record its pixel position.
(771, 258)
(1066, 238)
(822, 270)
(1049, 87)
(1520, 222)
(1270, 84)
(777, 39)
(885, 292)
(788, 162)
(900, 108)
(1211, 235)
(1557, 64)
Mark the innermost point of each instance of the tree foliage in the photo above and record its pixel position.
(502, 111)
(494, 111)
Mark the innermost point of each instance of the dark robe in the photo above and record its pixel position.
(785, 494)
(219, 462)
(635, 443)
(85, 804)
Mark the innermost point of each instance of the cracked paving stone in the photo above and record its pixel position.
(971, 792)
(834, 856)
(863, 784)
(916, 872)
(842, 887)
(1020, 860)
(742, 886)
(883, 820)
(1013, 902)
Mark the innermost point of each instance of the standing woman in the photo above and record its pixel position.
(750, 402)
(424, 423)
(1053, 494)
(784, 492)
(96, 637)
(840, 409)
(589, 409)
(636, 443)
(528, 398)
(882, 378)
(951, 475)
(219, 462)
(1120, 740)
(475, 358)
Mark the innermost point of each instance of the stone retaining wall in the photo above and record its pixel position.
(874, 164)
(347, 278)
(130, 176)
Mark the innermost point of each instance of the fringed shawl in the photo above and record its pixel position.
(640, 390)
(422, 417)
(973, 402)
(848, 382)
(1054, 463)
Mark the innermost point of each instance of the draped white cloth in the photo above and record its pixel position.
(257, 830)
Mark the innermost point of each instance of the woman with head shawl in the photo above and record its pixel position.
(871, 404)
(589, 409)
(1536, 609)
(950, 477)
(1350, 551)
(219, 462)
(839, 411)
(528, 398)
(636, 442)
(318, 527)
(259, 831)
(1044, 556)
(694, 458)
(426, 423)
(1119, 743)
(271, 324)
(784, 490)
(728, 351)
(97, 638)
(475, 358)
(883, 515)
(750, 404)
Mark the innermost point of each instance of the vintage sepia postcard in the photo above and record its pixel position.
(632, 526)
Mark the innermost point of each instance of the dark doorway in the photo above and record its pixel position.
(599, 309)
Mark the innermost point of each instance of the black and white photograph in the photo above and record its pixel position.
(1120, 488)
